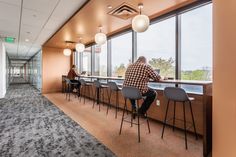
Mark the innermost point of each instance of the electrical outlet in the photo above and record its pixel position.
(158, 103)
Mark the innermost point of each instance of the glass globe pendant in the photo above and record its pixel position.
(140, 23)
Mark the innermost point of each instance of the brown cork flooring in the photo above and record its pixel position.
(106, 129)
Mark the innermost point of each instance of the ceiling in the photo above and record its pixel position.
(86, 21)
(37, 22)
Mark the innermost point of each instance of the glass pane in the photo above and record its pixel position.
(87, 60)
(157, 44)
(101, 60)
(196, 44)
(121, 52)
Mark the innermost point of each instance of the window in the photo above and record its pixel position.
(157, 44)
(86, 60)
(121, 53)
(101, 60)
(196, 44)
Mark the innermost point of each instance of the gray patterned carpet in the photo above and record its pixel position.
(31, 126)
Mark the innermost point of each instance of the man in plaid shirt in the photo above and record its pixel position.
(138, 75)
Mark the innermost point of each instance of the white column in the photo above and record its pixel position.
(2, 70)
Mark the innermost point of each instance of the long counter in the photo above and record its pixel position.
(202, 105)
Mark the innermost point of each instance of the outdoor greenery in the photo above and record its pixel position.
(167, 69)
(166, 66)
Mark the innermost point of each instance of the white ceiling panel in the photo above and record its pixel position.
(11, 2)
(34, 18)
(45, 6)
(40, 20)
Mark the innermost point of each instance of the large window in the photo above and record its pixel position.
(196, 44)
(121, 52)
(100, 60)
(157, 44)
(86, 60)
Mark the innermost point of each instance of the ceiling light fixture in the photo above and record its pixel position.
(140, 23)
(109, 7)
(79, 46)
(27, 40)
(100, 38)
(67, 51)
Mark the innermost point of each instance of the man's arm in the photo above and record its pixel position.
(152, 74)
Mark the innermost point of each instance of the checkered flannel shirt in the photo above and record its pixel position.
(138, 75)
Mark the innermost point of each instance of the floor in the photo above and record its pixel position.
(105, 128)
(30, 126)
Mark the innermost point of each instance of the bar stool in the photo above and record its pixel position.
(84, 86)
(98, 90)
(68, 87)
(132, 93)
(178, 95)
(113, 88)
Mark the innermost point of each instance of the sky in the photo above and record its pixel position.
(159, 41)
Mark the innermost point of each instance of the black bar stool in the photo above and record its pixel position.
(68, 87)
(113, 88)
(178, 95)
(98, 92)
(132, 93)
(85, 85)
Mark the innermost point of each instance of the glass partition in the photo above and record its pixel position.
(86, 60)
(100, 60)
(157, 44)
(121, 54)
(196, 44)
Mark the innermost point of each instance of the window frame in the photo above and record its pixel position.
(176, 13)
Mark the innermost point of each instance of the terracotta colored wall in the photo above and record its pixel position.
(54, 65)
(224, 86)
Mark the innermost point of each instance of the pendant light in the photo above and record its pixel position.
(79, 46)
(100, 38)
(67, 51)
(140, 23)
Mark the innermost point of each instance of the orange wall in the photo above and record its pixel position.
(55, 64)
(224, 86)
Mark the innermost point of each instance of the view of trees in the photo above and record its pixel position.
(167, 69)
(166, 66)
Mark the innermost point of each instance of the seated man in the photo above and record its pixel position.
(71, 75)
(138, 75)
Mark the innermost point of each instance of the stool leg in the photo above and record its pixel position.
(99, 98)
(185, 131)
(193, 120)
(131, 118)
(103, 98)
(66, 91)
(122, 119)
(84, 93)
(95, 94)
(138, 124)
(69, 92)
(164, 125)
(81, 91)
(117, 105)
(174, 116)
(149, 130)
(109, 99)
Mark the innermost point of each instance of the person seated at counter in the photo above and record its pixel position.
(138, 75)
(72, 74)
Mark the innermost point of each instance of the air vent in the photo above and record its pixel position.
(124, 11)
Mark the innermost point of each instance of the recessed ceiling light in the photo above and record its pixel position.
(27, 40)
(28, 32)
(109, 6)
